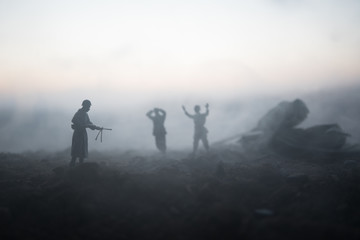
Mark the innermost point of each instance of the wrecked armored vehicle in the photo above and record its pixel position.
(277, 130)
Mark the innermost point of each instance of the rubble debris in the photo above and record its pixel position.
(264, 212)
(277, 130)
(350, 163)
(298, 178)
(220, 171)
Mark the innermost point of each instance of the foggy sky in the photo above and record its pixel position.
(223, 47)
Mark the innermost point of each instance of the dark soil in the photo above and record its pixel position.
(226, 194)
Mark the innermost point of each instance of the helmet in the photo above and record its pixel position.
(86, 103)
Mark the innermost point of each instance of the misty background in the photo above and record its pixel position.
(45, 124)
(127, 57)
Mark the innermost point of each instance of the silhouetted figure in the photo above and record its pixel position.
(200, 132)
(158, 117)
(81, 121)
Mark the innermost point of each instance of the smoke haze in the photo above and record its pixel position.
(44, 124)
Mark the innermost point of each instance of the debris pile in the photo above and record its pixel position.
(277, 130)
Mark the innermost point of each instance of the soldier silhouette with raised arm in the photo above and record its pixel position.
(200, 132)
(81, 121)
(158, 117)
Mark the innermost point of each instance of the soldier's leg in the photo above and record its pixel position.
(81, 160)
(195, 144)
(205, 142)
(162, 143)
(158, 142)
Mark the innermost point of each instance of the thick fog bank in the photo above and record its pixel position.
(44, 126)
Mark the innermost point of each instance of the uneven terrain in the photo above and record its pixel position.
(226, 194)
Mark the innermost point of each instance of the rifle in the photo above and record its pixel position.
(101, 133)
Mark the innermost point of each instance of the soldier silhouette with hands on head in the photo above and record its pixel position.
(158, 116)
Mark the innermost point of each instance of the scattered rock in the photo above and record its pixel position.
(264, 212)
(334, 177)
(350, 163)
(299, 178)
(220, 171)
(44, 160)
(59, 171)
(86, 172)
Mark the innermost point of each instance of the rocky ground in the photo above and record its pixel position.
(226, 194)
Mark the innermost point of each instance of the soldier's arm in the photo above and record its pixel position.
(163, 113)
(186, 113)
(207, 109)
(149, 114)
(94, 127)
(89, 124)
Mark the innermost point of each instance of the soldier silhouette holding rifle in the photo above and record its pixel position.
(200, 132)
(81, 121)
